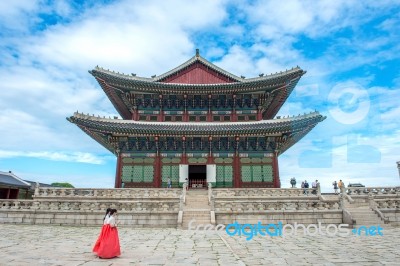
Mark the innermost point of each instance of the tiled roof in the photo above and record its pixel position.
(266, 83)
(130, 127)
(11, 180)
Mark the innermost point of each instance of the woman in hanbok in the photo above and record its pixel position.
(99, 239)
(109, 244)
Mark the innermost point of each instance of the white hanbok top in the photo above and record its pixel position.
(111, 221)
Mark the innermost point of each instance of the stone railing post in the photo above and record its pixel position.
(184, 188)
(343, 190)
(341, 201)
(181, 201)
(36, 189)
(209, 193)
(319, 189)
(212, 201)
(371, 201)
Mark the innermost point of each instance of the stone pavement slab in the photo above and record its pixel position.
(63, 245)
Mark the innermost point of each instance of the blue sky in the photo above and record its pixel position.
(350, 49)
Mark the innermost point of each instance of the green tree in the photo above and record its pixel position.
(59, 184)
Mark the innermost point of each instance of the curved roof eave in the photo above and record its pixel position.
(129, 83)
(128, 127)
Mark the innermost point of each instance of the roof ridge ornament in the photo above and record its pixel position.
(197, 53)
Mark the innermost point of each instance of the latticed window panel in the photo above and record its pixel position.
(220, 174)
(148, 173)
(246, 173)
(224, 176)
(257, 173)
(175, 174)
(171, 171)
(228, 173)
(138, 173)
(127, 173)
(268, 173)
(165, 173)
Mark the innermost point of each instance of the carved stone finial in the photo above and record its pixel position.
(37, 189)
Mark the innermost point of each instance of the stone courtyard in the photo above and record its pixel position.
(69, 245)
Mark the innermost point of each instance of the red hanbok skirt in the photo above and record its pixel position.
(107, 245)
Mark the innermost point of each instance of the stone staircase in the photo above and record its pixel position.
(364, 215)
(197, 208)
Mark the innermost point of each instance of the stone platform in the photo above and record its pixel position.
(69, 245)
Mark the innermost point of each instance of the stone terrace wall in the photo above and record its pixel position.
(383, 199)
(86, 207)
(274, 205)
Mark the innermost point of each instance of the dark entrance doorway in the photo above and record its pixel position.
(197, 176)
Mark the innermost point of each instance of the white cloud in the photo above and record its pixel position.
(78, 157)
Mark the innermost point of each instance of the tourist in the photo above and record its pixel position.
(341, 185)
(335, 187)
(293, 182)
(99, 239)
(314, 186)
(109, 243)
(169, 183)
(306, 186)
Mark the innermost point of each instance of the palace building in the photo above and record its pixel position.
(197, 122)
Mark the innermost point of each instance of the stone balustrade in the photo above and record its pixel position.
(263, 192)
(136, 207)
(91, 206)
(126, 193)
(284, 205)
(388, 203)
(375, 191)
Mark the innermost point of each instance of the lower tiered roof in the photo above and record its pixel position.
(293, 128)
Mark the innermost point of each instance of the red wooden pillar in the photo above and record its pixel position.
(209, 113)
(277, 182)
(234, 116)
(135, 114)
(259, 114)
(236, 167)
(161, 114)
(185, 112)
(237, 182)
(157, 171)
(210, 159)
(8, 193)
(118, 178)
(184, 159)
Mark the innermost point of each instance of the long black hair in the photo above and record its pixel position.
(107, 212)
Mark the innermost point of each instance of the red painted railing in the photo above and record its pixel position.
(197, 183)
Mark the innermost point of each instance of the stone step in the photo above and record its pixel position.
(196, 211)
(197, 220)
(197, 215)
(191, 200)
(364, 214)
(196, 206)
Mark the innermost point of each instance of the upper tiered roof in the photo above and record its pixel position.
(197, 76)
(127, 83)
